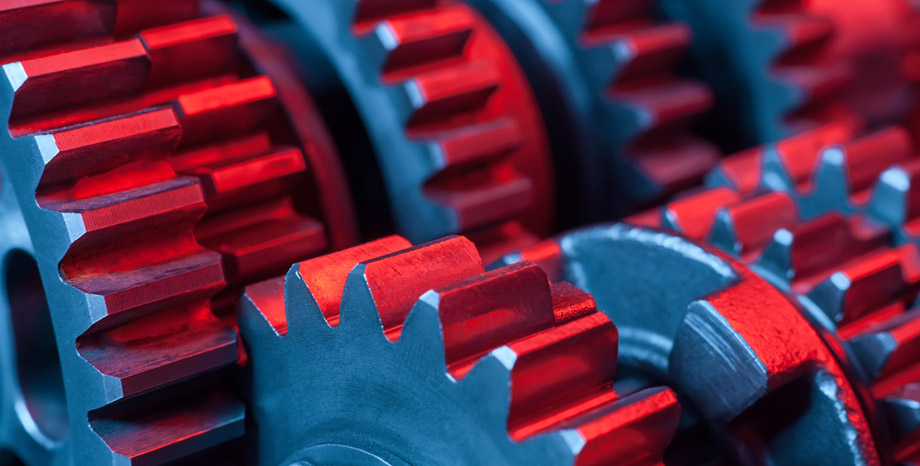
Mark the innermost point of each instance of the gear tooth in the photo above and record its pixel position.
(80, 77)
(228, 109)
(450, 91)
(66, 20)
(896, 198)
(381, 280)
(437, 34)
(193, 49)
(547, 254)
(680, 164)
(890, 341)
(872, 282)
(748, 226)
(175, 428)
(422, 335)
(149, 352)
(488, 384)
(262, 308)
(484, 302)
(144, 135)
(570, 303)
(902, 407)
(693, 216)
(472, 146)
(540, 403)
(778, 257)
(632, 430)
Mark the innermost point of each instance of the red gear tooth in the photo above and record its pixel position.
(631, 430)
(570, 303)
(695, 215)
(478, 144)
(65, 20)
(325, 275)
(192, 49)
(574, 361)
(655, 47)
(482, 312)
(445, 92)
(228, 109)
(757, 219)
(438, 35)
(869, 156)
(79, 77)
(830, 240)
(452, 259)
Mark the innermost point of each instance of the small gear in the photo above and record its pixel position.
(617, 111)
(390, 354)
(455, 129)
(155, 168)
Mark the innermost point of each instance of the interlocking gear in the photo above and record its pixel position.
(456, 130)
(617, 112)
(157, 169)
(828, 225)
(390, 354)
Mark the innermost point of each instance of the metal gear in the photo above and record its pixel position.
(772, 64)
(391, 354)
(617, 112)
(454, 126)
(834, 231)
(152, 169)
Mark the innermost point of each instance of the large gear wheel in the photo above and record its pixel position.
(454, 126)
(390, 354)
(617, 112)
(834, 231)
(152, 169)
(782, 67)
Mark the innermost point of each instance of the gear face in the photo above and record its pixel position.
(416, 355)
(615, 108)
(156, 172)
(456, 131)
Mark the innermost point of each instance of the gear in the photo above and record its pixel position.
(157, 169)
(613, 104)
(456, 131)
(771, 65)
(390, 354)
(833, 230)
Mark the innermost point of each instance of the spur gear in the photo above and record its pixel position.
(391, 354)
(454, 127)
(152, 169)
(617, 112)
(824, 222)
(777, 66)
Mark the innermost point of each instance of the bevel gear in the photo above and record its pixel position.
(390, 354)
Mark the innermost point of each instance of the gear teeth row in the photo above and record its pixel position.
(863, 284)
(434, 310)
(452, 121)
(714, 313)
(630, 60)
(124, 107)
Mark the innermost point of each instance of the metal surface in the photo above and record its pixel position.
(154, 168)
(418, 356)
(455, 129)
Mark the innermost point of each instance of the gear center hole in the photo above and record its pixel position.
(37, 363)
